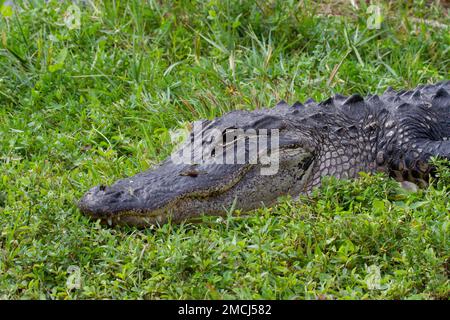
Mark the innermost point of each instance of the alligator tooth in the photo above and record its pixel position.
(109, 220)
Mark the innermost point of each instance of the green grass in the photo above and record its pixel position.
(84, 106)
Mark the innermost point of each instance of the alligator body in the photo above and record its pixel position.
(396, 132)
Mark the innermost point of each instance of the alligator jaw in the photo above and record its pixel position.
(157, 196)
(166, 193)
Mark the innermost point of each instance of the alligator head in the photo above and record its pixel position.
(244, 159)
(248, 159)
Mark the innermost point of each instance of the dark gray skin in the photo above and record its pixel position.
(396, 133)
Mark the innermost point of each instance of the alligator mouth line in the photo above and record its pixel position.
(162, 215)
(168, 209)
(193, 204)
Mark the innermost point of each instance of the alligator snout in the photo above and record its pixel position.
(92, 201)
(101, 202)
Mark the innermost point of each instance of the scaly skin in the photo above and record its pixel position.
(396, 133)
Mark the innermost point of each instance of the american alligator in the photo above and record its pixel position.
(396, 132)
